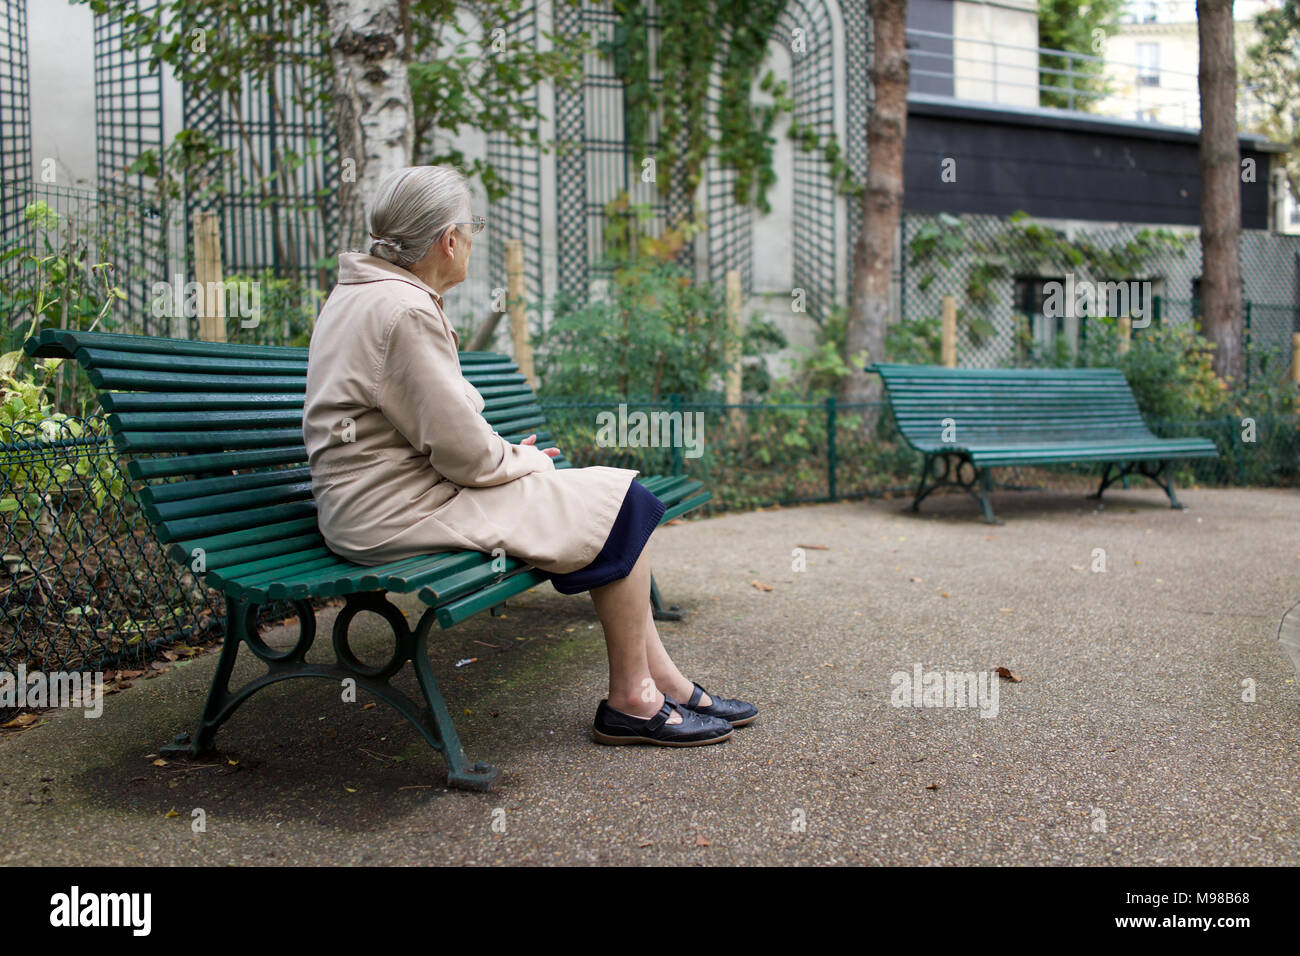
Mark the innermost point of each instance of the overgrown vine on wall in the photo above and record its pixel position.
(693, 35)
(1026, 244)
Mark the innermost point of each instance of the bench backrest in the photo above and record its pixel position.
(990, 406)
(215, 432)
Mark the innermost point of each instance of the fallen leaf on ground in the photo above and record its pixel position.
(22, 720)
(932, 786)
(762, 587)
(813, 547)
(916, 580)
(1008, 674)
(1007, 610)
(702, 840)
(1077, 567)
(160, 762)
(172, 813)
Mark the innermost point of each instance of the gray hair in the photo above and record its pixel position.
(413, 207)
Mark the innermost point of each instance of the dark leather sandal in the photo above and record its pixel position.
(695, 730)
(736, 712)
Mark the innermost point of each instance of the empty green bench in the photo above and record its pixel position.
(214, 432)
(967, 421)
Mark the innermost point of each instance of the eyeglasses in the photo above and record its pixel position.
(476, 224)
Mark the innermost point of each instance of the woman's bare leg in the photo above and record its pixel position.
(623, 607)
(640, 670)
(667, 677)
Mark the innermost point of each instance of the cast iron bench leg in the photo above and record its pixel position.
(1107, 479)
(241, 628)
(1162, 475)
(433, 720)
(985, 495)
(661, 613)
(921, 489)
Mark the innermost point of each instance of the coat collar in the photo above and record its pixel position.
(359, 267)
(355, 267)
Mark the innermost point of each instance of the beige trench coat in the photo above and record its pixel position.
(403, 462)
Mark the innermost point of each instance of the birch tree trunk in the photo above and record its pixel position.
(1220, 187)
(882, 203)
(369, 46)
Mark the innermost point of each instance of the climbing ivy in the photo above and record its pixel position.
(940, 243)
(693, 36)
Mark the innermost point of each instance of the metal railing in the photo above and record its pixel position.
(1014, 75)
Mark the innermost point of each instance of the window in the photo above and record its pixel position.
(1047, 334)
(1061, 311)
(1148, 64)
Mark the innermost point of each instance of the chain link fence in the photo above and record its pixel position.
(1001, 271)
(86, 586)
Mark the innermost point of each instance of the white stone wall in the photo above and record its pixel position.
(994, 53)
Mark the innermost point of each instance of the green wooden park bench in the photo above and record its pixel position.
(213, 431)
(967, 421)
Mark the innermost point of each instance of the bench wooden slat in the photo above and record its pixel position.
(218, 546)
(200, 487)
(195, 364)
(456, 611)
(242, 554)
(145, 469)
(65, 343)
(132, 380)
(199, 441)
(216, 524)
(123, 402)
(257, 497)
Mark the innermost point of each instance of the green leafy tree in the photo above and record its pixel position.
(1272, 74)
(1081, 29)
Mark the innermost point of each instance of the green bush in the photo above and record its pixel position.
(1169, 369)
(915, 341)
(284, 309)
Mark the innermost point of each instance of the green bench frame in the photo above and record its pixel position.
(214, 433)
(1009, 417)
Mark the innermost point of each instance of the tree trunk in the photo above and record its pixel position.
(1220, 188)
(372, 98)
(882, 203)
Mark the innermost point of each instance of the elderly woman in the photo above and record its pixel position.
(403, 462)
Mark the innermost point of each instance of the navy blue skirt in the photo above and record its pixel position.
(637, 519)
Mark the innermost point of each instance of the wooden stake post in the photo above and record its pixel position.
(518, 291)
(948, 344)
(209, 275)
(735, 368)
